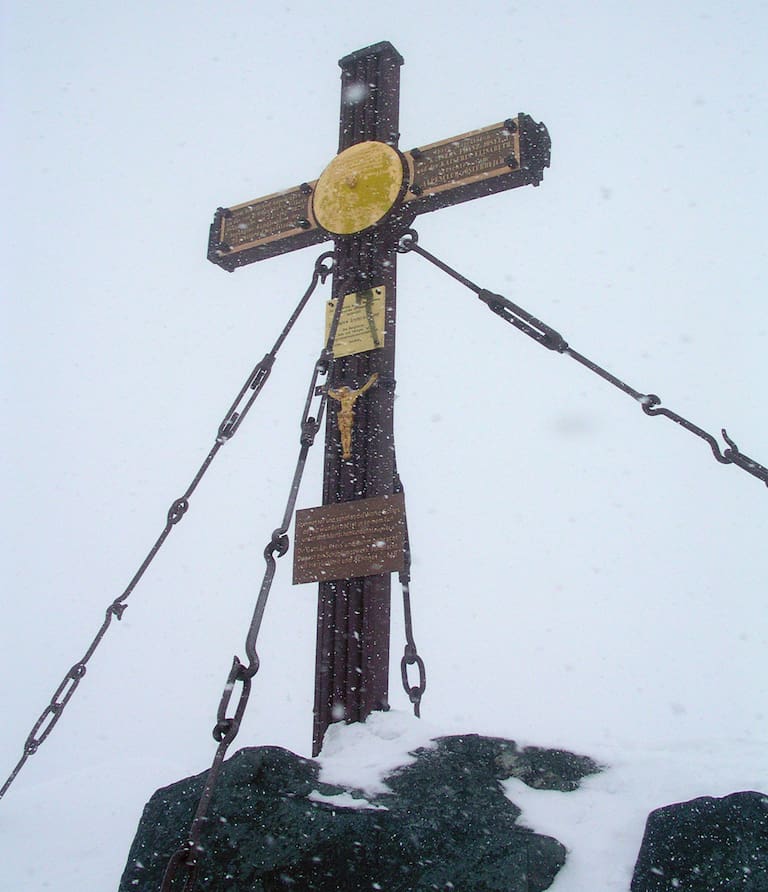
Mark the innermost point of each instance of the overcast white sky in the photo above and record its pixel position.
(582, 573)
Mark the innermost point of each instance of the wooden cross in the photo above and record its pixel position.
(364, 200)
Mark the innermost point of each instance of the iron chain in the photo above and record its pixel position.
(410, 654)
(228, 427)
(182, 866)
(552, 340)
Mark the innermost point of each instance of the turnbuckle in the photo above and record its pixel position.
(744, 461)
(226, 727)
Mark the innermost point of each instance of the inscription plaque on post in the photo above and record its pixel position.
(361, 324)
(349, 539)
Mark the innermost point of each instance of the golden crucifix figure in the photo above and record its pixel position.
(346, 416)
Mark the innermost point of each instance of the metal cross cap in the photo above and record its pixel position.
(366, 197)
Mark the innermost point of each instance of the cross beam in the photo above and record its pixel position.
(502, 156)
(365, 198)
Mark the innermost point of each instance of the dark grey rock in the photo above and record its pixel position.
(706, 845)
(446, 824)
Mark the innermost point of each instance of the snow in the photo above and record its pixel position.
(601, 823)
(584, 576)
(345, 800)
(362, 755)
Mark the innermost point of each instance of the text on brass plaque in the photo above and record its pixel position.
(465, 159)
(361, 324)
(349, 539)
(265, 218)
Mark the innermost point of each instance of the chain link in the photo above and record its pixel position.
(181, 871)
(410, 654)
(228, 427)
(552, 340)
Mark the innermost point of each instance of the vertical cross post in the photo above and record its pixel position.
(367, 196)
(352, 657)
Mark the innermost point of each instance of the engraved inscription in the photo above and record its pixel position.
(265, 218)
(349, 539)
(465, 159)
(361, 324)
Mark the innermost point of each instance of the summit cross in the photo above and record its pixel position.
(364, 201)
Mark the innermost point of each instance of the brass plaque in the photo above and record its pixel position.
(465, 159)
(358, 188)
(349, 539)
(265, 218)
(361, 324)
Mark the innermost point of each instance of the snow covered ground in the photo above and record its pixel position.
(601, 824)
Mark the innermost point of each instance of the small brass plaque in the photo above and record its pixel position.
(349, 539)
(361, 325)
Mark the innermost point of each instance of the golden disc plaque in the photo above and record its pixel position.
(358, 188)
